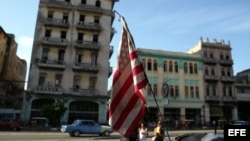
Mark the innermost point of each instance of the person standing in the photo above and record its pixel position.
(142, 131)
(158, 132)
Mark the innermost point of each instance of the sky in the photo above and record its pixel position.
(170, 25)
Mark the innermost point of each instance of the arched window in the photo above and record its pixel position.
(185, 68)
(165, 66)
(191, 68)
(149, 65)
(98, 3)
(176, 66)
(155, 65)
(170, 66)
(195, 68)
(144, 63)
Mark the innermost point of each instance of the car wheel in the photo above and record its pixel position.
(76, 133)
(71, 134)
(106, 133)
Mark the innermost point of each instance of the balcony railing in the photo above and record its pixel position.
(93, 8)
(90, 45)
(212, 98)
(210, 60)
(84, 92)
(46, 63)
(55, 41)
(243, 96)
(48, 90)
(228, 98)
(226, 62)
(86, 67)
(57, 4)
(211, 77)
(89, 26)
(227, 78)
(56, 22)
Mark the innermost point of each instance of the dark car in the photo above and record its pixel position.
(82, 126)
(10, 124)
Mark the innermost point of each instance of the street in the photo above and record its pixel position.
(58, 136)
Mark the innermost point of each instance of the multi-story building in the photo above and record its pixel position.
(218, 79)
(12, 72)
(179, 74)
(242, 92)
(70, 59)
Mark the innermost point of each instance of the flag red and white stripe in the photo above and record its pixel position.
(127, 103)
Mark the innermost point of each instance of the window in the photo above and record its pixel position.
(211, 54)
(224, 91)
(205, 54)
(63, 34)
(230, 93)
(41, 80)
(176, 91)
(170, 66)
(93, 58)
(47, 33)
(92, 82)
(144, 63)
(197, 92)
(222, 72)
(50, 14)
(65, 17)
(191, 68)
(171, 90)
(165, 66)
(185, 68)
(155, 89)
(78, 58)
(61, 56)
(227, 56)
(76, 81)
(212, 72)
(149, 65)
(82, 18)
(98, 3)
(67, 0)
(214, 90)
(207, 90)
(221, 56)
(176, 66)
(45, 55)
(149, 90)
(95, 38)
(229, 73)
(155, 65)
(58, 80)
(192, 91)
(195, 68)
(186, 92)
(83, 1)
(80, 37)
(97, 20)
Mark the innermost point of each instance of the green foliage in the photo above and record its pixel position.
(54, 111)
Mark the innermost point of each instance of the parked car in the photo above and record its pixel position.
(10, 124)
(241, 122)
(82, 126)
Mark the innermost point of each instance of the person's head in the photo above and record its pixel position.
(159, 123)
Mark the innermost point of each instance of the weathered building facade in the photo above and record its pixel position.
(218, 79)
(12, 72)
(182, 73)
(70, 59)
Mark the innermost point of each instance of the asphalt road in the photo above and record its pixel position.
(58, 136)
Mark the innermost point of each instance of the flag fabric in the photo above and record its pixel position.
(127, 103)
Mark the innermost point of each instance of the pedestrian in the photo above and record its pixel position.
(143, 132)
(158, 132)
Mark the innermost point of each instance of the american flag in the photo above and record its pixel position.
(127, 104)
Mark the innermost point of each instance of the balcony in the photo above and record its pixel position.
(48, 90)
(211, 77)
(53, 64)
(57, 4)
(89, 45)
(55, 41)
(89, 26)
(227, 62)
(212, 98)
(227, 79)
(228, 98)
(209, 60)
(56, 23)
(87, 67)
(243, 97)
(84, 92)
(94, 9)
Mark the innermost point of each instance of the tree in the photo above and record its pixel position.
(53, 112)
